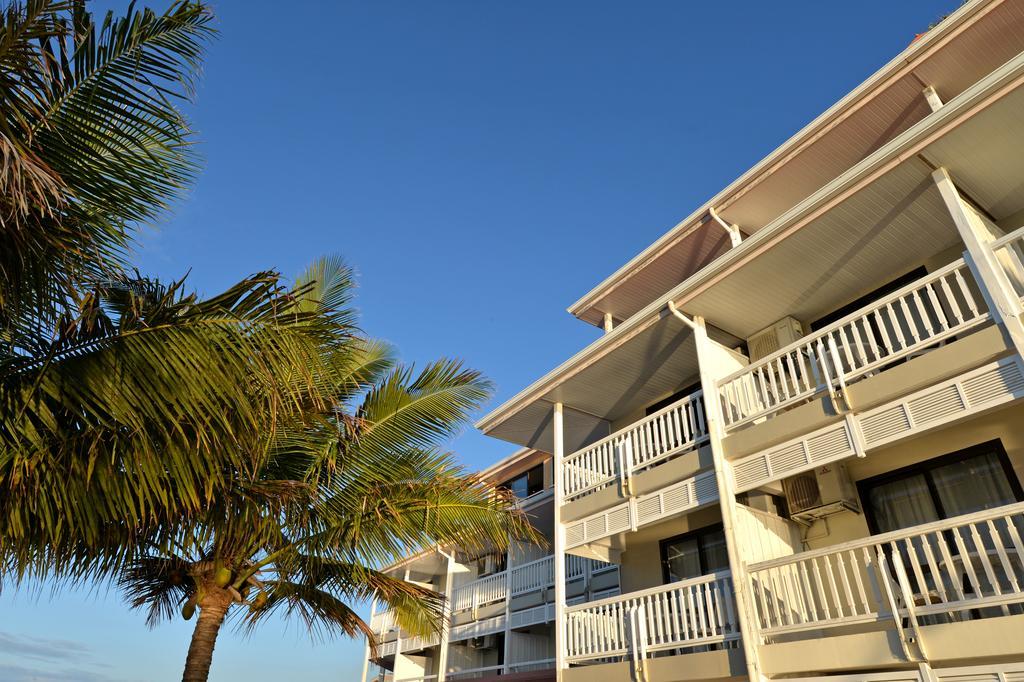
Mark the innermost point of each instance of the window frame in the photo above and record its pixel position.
(925, 466)
(507, 484)
(698, 533)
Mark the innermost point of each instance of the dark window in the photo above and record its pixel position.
(674, 398)
(866, 299)
(527, 483)
(693, 554)
(962, 482)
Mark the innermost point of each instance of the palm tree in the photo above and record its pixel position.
(92, 142)
(341, 492)
(137, 408)
(121, 399)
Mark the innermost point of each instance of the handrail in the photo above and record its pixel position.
(640, 422)
(672, 429)
(901, 534)
(1007, 238)
(699, 580)
(861, 312)
(923, 313)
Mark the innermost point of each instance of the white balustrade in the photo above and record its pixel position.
(669, 431)
(540, 574)
(485, 590)
(475, 673)
(531, 666)
(967, 566)
(387, 649)
(419, 642)
(904, 323)
(1009, 251)
(677, 616)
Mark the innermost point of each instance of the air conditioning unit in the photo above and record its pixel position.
(779, 335)
(485, 642)
(819, 493)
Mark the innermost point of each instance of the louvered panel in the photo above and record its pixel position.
(574, 534)
(984, 388)
(831, 445)
(706, 489)
(788, 458)
(828, 444)
(596, 527)
(677, 498)
(936, 405)
(618, 519)
(648, 509)
(884, 424)
(750, 470)
(990, 385)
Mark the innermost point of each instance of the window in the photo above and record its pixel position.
(962, 482)
(694, 554)
(527, 483)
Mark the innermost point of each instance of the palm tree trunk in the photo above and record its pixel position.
(212, 610)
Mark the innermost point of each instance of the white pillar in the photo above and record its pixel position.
(977, 233)
(609, 322)
(366, 660)
(442, 655)
(559, 554)
(716, 361)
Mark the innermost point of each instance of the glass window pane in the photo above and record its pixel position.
(682, 559)
(901, 503)
(973, 484)
(716, 556)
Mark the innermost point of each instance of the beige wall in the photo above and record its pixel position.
(1007, 425)
(641, 562)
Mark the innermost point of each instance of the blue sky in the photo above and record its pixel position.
(482, 164)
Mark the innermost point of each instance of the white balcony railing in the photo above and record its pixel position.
(967, 566)
(475, 673)
(531, 666)
(485, 590)
(904, 323)
(676, 616)
(524, 578)
(674, 429)
(1009, 251)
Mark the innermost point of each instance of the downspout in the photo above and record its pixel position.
(733, 230)
(726, 493)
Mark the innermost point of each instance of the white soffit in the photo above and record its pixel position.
(881, 232)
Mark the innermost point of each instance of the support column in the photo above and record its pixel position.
(978, 232)
(716, 361)
(366, 654)
(508, 608)
(442, 655)
(559, 553)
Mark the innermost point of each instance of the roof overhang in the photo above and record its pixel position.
(973, 40)
(972, 136)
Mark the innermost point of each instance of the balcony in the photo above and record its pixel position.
(678, 616)
(678, 428)
(962, 569)
(528, 577)
(907, 323)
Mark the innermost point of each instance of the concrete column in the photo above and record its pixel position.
(442, 655)
(717, 361)
(559, 553)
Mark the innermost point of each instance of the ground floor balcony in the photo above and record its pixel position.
(950, 590)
